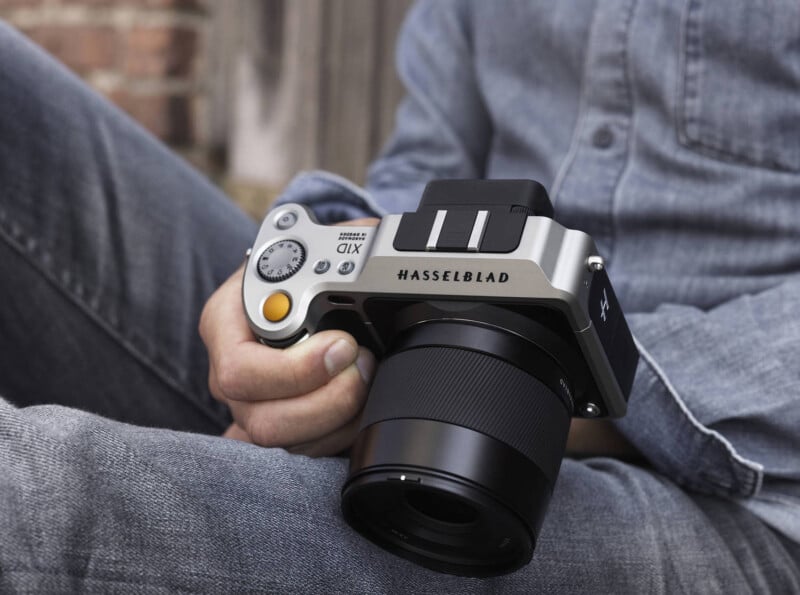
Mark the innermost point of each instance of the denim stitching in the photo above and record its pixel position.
(72, 288)
(742, 469)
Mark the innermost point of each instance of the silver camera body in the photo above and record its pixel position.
(300, 272)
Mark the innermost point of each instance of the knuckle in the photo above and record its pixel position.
(213, 386)
(228, 378)
(260, 430)
(206, 318)
(202, 323)
(301, 373)
(294, 377)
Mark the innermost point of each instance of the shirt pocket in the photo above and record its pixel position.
(740, 93)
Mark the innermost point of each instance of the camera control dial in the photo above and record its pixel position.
(280, 260)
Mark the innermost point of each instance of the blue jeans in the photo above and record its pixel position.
(109, 246)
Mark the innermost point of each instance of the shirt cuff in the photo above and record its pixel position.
(332, 198)
(663, 428)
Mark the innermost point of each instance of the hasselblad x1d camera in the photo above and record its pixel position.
(494, 325)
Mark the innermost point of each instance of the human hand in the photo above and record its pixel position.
(306, 398)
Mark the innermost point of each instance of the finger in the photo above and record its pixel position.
(240, 368)
(234, 432)
(255, 372)
(222, 322)
(288, 422)
(331, 444)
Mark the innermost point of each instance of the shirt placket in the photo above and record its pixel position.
(600, 147)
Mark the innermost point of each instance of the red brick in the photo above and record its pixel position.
(160, 51)
(89, 2)
(181, 4)
(168, 116)
(177, 4)
(17, 3)
(81, 47)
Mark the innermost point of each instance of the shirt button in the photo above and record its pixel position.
(603, 137)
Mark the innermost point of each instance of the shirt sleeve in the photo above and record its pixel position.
(331, 197)
(715, 404)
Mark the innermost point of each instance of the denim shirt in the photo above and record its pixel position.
(670, 131)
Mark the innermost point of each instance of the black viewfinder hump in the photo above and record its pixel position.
(472, 216)
(522, 194)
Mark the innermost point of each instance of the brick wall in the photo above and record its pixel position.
(145, 55)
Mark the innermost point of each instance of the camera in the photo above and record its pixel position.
(493, 324)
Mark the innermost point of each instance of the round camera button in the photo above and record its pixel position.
(285, 219)
(346, 267)
(322, 266)
(276, 307)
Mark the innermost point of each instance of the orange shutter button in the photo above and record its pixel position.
(276, 307)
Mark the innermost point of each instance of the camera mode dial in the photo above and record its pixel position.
(280, 260)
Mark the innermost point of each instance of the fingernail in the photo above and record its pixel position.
(366, 365)
(339, 355)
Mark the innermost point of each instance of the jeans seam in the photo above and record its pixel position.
(25, 244)
(142, 580)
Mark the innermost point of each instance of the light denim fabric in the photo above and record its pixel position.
(684, 172)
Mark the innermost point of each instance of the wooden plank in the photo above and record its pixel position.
(389, 88)
(303, 84)
(347, 86)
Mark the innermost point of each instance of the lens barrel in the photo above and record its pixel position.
(460, 447)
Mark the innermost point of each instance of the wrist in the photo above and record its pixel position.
(589, 438)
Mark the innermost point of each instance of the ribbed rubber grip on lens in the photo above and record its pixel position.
(476, 391)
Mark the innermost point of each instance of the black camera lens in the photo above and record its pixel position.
(438, 521)
(461, 441)
(441, 507)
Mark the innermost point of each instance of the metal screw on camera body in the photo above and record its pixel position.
(590, 410)
(595, 263)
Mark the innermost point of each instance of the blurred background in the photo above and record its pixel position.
(248, 91)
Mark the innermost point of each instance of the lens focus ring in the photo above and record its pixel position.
(476, 391)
